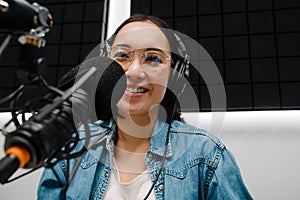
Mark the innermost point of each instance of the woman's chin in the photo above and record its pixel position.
(137, 112)
(131, 110)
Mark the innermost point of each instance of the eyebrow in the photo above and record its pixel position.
(156, 49)
(122, 45)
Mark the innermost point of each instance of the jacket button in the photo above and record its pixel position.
(150, 155)
(106, 174)
(161, 187)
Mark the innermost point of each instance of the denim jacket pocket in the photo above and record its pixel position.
(180, 170)
(182, 179)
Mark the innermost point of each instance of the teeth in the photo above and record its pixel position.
(135, 90)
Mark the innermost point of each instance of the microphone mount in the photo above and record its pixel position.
(31, 30)
(4, 6)
(31, 62)
(19, 16)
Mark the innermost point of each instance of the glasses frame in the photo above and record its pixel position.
(142, 56)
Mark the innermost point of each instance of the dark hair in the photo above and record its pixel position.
(169, 101)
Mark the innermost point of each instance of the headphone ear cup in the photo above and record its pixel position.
(180, 67)
(178, 75)
(103, 49)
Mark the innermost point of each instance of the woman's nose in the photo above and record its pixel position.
(134, 71)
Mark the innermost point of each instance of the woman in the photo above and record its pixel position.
(149, 153)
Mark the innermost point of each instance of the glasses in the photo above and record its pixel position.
(151, 58)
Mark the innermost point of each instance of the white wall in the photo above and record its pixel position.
(266, 145)
(119, 11)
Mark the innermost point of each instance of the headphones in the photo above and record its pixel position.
(181, 65)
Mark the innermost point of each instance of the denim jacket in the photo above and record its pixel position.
(197, 166)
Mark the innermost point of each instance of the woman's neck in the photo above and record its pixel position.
(131, 143)
(135, 131)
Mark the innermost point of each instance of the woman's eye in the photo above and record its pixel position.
(153, 59)
(121, 55)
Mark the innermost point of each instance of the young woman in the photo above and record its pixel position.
(149, 153)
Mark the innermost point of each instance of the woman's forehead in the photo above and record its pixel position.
(139, 35)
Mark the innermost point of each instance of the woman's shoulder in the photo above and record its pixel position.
(191, 146)
(182, 129)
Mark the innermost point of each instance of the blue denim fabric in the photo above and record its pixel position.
(197, 166)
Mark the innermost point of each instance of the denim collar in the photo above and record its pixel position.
(158, 139)
(157, 142)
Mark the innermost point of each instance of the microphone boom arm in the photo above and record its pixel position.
(11, 162)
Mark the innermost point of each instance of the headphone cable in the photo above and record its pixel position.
(165, 150)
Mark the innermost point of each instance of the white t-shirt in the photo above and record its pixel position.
(136, 189)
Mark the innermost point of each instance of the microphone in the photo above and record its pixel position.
(19, 16)
(52, 128)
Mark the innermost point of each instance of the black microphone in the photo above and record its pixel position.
(19, 16)
(52, 128)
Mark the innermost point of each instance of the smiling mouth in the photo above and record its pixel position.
(136, 90)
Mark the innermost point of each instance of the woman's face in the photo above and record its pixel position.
(143, 51)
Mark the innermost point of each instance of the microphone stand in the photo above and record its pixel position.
(28, 69)
(30, 65)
